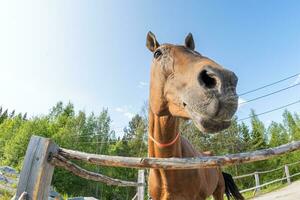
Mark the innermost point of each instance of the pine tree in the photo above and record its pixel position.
(135, 136)
(291, 125)
(258, 133)
(3, 116)
(245, 135)
(278, 135)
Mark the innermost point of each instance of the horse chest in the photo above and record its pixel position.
(176, 184)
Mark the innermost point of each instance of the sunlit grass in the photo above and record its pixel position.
(265, 190)
(270, 188)
(4, 195)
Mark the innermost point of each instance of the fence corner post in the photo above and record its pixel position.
(257, 184)
(287, 174)
(36, 174)
(141, 189)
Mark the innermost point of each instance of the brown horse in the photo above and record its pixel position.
(185, 84)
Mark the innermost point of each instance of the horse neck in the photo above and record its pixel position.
(163, 129)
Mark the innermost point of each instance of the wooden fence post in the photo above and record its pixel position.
(257, 184)
(141, 189)
(287, 174)
(36, 174)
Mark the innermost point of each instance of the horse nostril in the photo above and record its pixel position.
(184, 104)
(207, 79)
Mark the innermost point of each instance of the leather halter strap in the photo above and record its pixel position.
(163, 145)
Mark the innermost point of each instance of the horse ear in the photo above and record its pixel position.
(151, 42)
(189, 42)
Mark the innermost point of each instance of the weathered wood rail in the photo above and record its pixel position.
(180, 163)
(43, 155)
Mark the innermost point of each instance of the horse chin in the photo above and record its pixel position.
(209, 125)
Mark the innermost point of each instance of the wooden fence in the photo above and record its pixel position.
(43, 155)
(286, 177)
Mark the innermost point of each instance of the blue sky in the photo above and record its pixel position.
(93, 53)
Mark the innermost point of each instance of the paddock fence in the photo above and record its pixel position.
(256, 175)
(43, 155)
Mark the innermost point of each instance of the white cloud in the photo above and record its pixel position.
(125, 111)
(129, 115)
(297, 81)
(142, 84)
(241, 102)
(268, 122)
(121, 110)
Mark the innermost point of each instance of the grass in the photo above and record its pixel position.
(65, 196)
(4, 195)
(264, 190)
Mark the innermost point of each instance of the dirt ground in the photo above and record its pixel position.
(291, 192)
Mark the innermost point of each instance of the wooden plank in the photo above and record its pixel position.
(293, 163)
(60, 161)
(180, 163)
(36, 174)
(257, 184)
(296, 174)
(261, 172)
(243, 176)
(23, 196)
(287, 174)
(135, 197)
(272, 170)
(141, 189)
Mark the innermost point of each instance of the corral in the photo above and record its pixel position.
(43, 155)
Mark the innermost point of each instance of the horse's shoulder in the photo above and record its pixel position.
(189, 150)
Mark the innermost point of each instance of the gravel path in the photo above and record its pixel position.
(291, 192)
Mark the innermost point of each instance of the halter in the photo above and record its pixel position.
(163, 145)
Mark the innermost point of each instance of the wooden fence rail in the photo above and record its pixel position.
(43, 155)
(179, 163)
(60, 161)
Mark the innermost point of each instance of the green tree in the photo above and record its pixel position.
(278, 135)
(92, 133)
(245, 136)
(258, 133)
(290, 124)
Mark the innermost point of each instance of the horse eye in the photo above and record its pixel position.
(157, 53)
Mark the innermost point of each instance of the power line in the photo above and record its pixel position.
(107, 142)
(95, 142)
(269, 111)
(269, 94)
(259, 88)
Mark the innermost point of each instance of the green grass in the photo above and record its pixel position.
(65, 196)
(4, 195)
(264, 190)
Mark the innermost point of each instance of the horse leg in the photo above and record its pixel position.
(219, 193)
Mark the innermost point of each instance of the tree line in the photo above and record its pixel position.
(93, 133)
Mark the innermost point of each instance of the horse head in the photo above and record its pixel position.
(186, 84)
